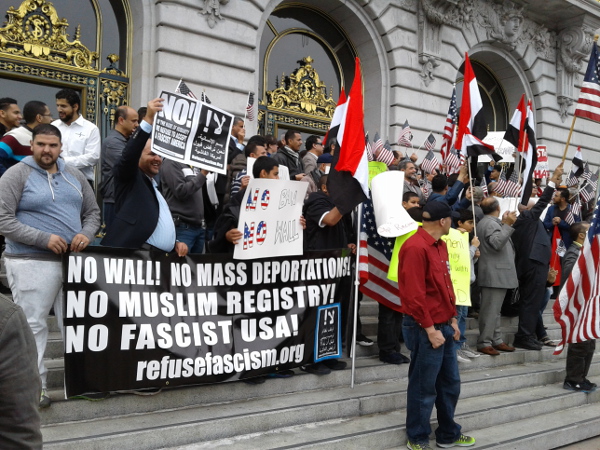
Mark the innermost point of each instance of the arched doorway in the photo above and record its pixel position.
(43, 49)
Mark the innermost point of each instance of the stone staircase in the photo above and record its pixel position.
(511, 401)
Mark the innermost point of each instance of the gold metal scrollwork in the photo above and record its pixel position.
(35, 30)
(302, 92)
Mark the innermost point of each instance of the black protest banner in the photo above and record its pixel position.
(173, 126)
(135, 319)
(211, 142)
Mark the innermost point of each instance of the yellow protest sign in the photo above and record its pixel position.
(460, 265)
(375, 168)
(400, 240)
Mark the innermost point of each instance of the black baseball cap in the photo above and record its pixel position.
(433, 211)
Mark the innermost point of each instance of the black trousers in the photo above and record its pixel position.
(532, 287)
(579, 358)
(389, 330)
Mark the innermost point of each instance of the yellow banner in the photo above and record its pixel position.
(400, 240)
(375, 168)
(460, 265)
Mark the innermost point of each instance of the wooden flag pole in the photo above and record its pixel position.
(564, 156)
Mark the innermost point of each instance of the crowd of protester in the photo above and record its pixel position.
(49, 171)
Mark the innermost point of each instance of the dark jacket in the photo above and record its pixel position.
(568, 262)
(563, 226)
(228, 220)
(450, 197)
(530, 237)
(112, 148)
(294, 164)
(182, 190)
(20, 381)
(136, 205)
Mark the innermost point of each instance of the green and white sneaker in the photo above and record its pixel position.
(45, 401)
(415, 446)
(462, 441)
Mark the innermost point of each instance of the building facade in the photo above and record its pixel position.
(295, 56)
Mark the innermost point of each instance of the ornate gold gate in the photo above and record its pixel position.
(299, 102)
(35, 47)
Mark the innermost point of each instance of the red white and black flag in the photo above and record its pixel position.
(578, 307)
(588, 105)
(472, 128)
(336, 120)
(348, 181)
(183, 89)
(521, 134)
(577, 169)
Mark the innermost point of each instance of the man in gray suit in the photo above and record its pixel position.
(496, 273)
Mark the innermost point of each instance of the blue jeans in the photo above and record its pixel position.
(433, 378)
(192, 236)
(462, 312)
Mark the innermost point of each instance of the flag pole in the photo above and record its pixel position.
(246, 109)
(356, 284)
(472, 198)
(564, 156)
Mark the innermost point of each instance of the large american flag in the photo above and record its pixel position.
(405, 135)
(374, 256)
(449, 127)
(588, 105)
(578, 307)
(183, 89)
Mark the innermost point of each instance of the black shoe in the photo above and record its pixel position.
(393, 358)
(335, 364)
(528, 344)
(316, 369)
(594, 385)
(5, 290)
(281, 374)
(585, 386)
(364, 341)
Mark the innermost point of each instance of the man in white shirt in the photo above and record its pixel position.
(80, 137)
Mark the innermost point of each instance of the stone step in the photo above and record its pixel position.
(484, 400)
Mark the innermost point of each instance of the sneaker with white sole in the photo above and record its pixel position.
(415, 446)
(45, 401)
(469, 352)
(462, 441)
(461, 357)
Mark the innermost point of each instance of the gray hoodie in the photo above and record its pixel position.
(35, 204)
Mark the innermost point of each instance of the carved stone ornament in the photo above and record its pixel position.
(35, 30)
(574, 44)
(457, 13)
(302, 92)
(212, 9)
(429, 46)
(503, 23)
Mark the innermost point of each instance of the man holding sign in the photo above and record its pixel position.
(142, 216)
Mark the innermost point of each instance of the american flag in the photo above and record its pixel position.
(374, 257)
(587, 173)
(572, 180)
(576, 208)
(429, 143)
(570, 218)
(425, 188)
(483, 186)
(368, 148)
(204, 98)
(452, 162)
(430, 163)
(588, 105)
(501, 184)
(405, 135)
(577, 308)
(449, 127)
(183, 89)
(588, 191)
(377, 145)
(250, 114)
(386, 155)
(512, 187)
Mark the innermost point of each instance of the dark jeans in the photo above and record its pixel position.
(433, 378)
(540, 331)
(579, 358)
(192, 236)
(389, 330)
(109, 214)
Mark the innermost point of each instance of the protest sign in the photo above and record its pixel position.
(270, 219)
(139, 319)
(192, 132)
(542, 170)
(375, 168)
(460, 265)
(328, 333)
(391, 217)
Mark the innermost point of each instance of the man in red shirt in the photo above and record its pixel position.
(430, 329)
